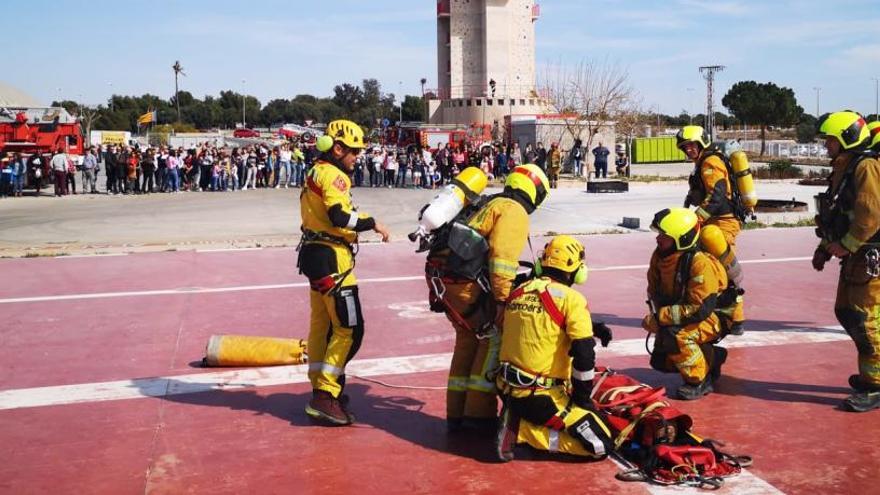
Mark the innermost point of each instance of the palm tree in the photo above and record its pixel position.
(178, 69)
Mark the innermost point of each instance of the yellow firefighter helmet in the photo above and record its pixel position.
(681, 224)
(849, 128)
(692, 134)
(565, 253)
(874, 129)
(529, 179)
(342, 131)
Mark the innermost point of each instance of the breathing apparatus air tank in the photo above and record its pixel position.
(246, 350)
(745, 183)
(712, 240)
(465, 188)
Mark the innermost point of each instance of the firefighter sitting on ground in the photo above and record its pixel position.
(330, 226)
(554, 164)
(685, 286)
(547, 361)
(471, 288)
(711, 190)
(849, 225)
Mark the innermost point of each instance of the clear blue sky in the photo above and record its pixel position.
(86, 50)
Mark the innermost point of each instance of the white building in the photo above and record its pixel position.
(479, 42)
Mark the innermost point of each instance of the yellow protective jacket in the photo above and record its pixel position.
(861, 203)
(326, 206)
(678, 305)
(504, 223)
(534, 342)
(711, 190)
(555, 158)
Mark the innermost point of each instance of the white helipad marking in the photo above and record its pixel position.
(102, 255)
(281, 375)
(414, 309)
(241, 288)
(227, 250)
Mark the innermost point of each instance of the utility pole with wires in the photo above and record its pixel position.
(178, 69)
(708, 72)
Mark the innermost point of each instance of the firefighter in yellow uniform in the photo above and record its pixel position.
(330, 226)
(547, 361)
(472, 289)
(711, 191)
(849, 225)
(684, 285)
(554, 164)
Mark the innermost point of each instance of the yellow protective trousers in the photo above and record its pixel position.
(549, 421)
(689, 354)
(469, 393)
(858, 310)
(730, 227)
(336, 327)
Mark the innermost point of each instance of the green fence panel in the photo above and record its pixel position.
(657, 150)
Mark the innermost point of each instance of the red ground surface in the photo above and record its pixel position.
(777, 403)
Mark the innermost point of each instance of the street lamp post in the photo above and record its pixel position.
(817, 89)
(112, 109)
(400, 115)
(243, 106)
(876, 98)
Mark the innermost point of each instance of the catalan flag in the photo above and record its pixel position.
(147, 118)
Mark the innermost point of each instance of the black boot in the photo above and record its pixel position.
(862, 401)
(857, 383)
(719, 357)
(694, 392)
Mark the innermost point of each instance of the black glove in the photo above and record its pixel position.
(580, 393)
(602, 332)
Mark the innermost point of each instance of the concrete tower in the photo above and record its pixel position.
(479, 41)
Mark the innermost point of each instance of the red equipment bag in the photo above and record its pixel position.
(655, 438)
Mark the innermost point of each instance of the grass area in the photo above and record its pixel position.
(803, 222)
(655, 178)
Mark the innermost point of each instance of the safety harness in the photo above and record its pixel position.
(833, 220)
(517, 377)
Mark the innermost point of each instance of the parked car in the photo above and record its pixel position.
(245, 133)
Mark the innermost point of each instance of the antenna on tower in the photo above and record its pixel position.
(708, 72)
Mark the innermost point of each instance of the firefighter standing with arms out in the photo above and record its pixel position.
(711, 190)
(547, 361)
(470, 280)
(849, 225)
(326, 256)
(684, 287)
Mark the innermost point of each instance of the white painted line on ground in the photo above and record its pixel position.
(241, 288)
(227, 250)
(282, 375)
(101, 255)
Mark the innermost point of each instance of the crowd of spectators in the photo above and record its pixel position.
(208, 167)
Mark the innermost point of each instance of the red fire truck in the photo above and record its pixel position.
(411, 134)
(40, 132)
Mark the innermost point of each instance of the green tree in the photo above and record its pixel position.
(806, 129)
(413, 109)
(762, 104)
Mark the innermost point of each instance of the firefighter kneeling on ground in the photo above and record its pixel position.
(685, 288)
(330, 226)
(849, 225)
(472, 287)
(711, 189)
(547, 360)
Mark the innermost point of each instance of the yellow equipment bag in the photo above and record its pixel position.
(245, 350)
